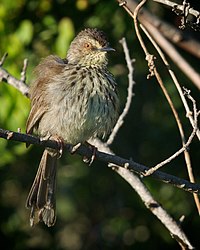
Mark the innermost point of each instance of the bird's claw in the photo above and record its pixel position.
(89, 160)
(75, 147)
(60, 143)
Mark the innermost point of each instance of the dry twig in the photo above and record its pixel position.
(184, 10)
(194, 119)
(11, 80)
(153, 71)
(121, 118)
(160, 40)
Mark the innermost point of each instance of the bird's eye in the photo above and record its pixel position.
(88, 45)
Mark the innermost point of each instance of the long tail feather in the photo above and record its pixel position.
(41, 199)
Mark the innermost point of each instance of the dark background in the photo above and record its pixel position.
(96, 209)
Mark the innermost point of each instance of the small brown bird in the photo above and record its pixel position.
(74, 99)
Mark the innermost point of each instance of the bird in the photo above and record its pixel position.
(72, 100)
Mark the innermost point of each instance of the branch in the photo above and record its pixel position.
(170, 50)
(129, 96)
(153, 71)
(182, 95)
(167, 46)
(180, 151)
(149, 201)
(11, 80)
(191, 115)
(187, 69)
(178, 6)
(173, 34)
(183, 10)
(83, 150)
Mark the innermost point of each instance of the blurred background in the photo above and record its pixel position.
(96, 209)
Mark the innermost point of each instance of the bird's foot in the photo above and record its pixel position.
(60, 141)
(89, 160)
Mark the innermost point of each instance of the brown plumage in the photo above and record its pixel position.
(74, 99)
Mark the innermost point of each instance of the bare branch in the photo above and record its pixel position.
(126, 173)
(153, 71)
(18, 84)
(171, 33)
(86, 151)
(183, 10)
(155, 35)
(186, 153)
(121, 118)
(3, 59)
(23, 73)
(174, 229)
(174, 55)
(166, 46)
(180, 151)
(149, 201)
(178, 6)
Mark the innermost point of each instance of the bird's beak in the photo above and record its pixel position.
(106, 49)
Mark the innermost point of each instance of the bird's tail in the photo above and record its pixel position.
(41, 199)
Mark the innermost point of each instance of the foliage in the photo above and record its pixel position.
(96, 209)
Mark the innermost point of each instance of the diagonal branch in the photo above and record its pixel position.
(129, 96)
(11, 80)
(148, 199)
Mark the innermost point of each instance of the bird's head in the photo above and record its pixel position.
(89, 49)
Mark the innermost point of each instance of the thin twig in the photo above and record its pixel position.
(173, 34)
(186, 153)
(184, 10)
(191, 176)
(153, 71)
(145, 17)
(7, 77)
(3, 59)
(120, 121)
(11, 80)
(23, 72)
(167, 46)
(134, 16)
(180, 151)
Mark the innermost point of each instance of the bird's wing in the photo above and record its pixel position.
(44, 72)
(34, 117)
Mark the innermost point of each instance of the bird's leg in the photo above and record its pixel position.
(90, 160)
(59, 141)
